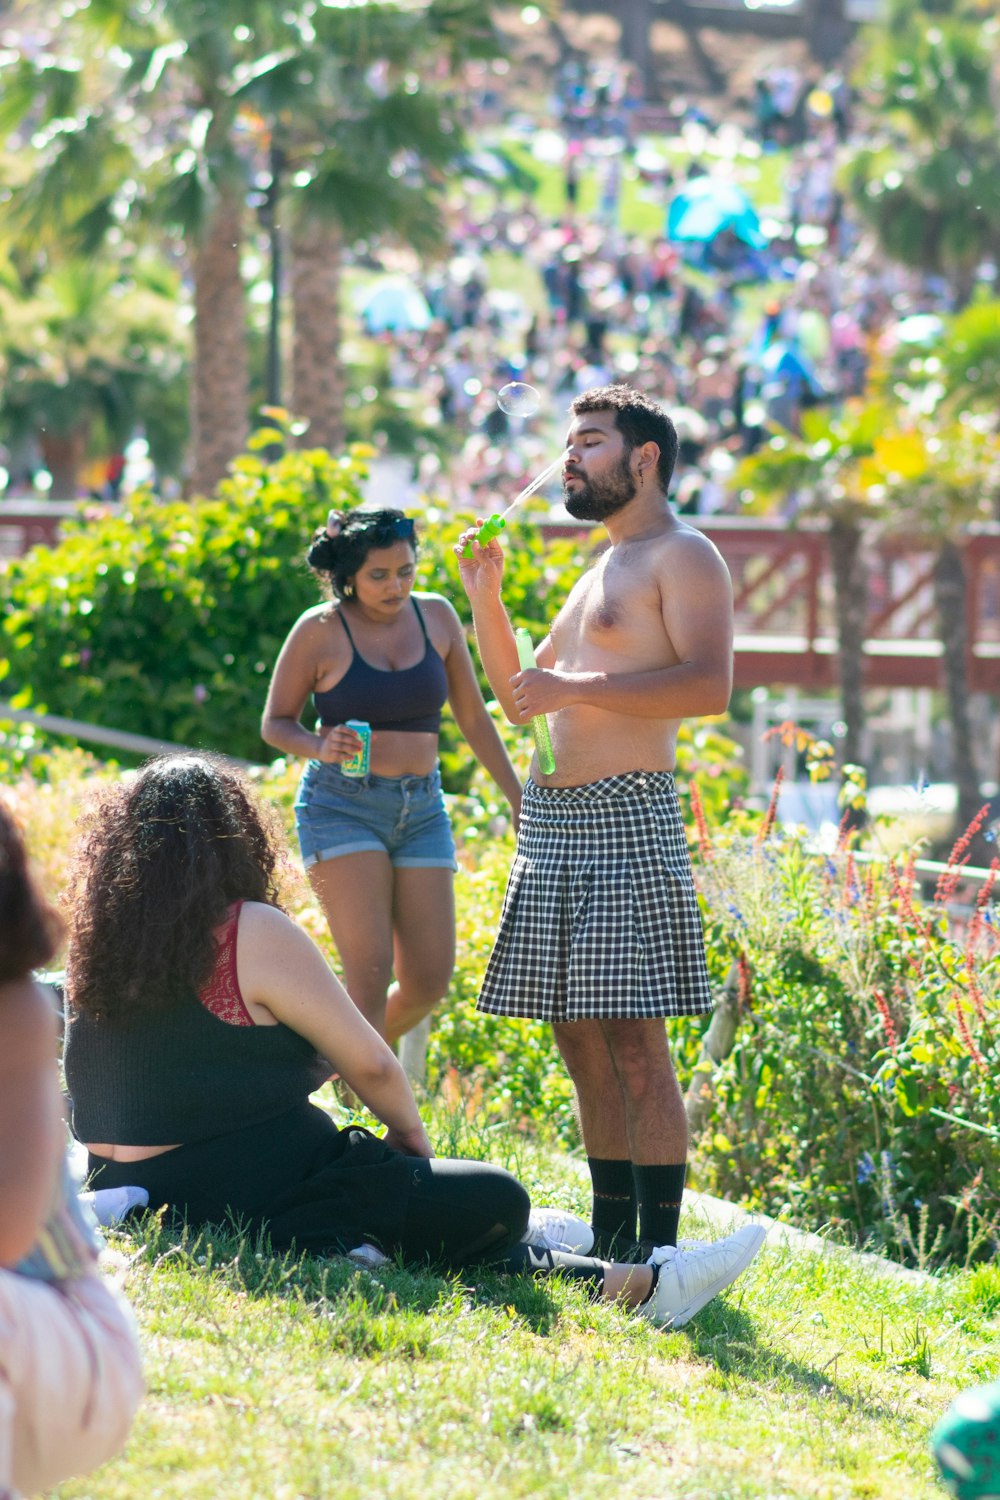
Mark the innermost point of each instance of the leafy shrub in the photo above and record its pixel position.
(863, 1089)
(167, 620)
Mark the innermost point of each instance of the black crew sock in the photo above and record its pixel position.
(659, 1191)
(613, 1217)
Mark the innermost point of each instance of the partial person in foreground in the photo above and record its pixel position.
(600, 932)
(200, 1020)
(377, 843)
(70, 1377)
(966, 1444)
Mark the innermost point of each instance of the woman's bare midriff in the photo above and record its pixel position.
(125, 1153)
(396, 753)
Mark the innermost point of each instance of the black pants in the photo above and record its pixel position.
(317, 1188)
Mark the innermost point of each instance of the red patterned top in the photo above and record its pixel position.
(221, 995)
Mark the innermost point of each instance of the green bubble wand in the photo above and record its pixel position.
(539, 724)
(496, 523)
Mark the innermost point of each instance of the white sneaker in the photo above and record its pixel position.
(109, 1205)
(690, 1276)
(555, 1229)
(369, 1257)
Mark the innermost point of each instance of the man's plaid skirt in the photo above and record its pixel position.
(600, 919)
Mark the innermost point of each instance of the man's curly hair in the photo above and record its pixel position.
(29, 928)
(162, 856)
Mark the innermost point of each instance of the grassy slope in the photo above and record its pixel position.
(810, 1378)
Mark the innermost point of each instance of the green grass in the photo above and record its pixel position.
(280, 1379)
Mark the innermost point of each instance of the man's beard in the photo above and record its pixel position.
(595, 500)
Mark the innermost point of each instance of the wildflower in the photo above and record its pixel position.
(746, 982)
(888, 1024)
(700, 822)
(866, 1168)
(951, 874)
(772, 807)
(965, 1035)
(850, 882)
(844, 830)
(975, 992)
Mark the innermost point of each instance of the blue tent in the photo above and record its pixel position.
(397, 305)
(706, 206)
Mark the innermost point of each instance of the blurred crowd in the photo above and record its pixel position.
(737, 313)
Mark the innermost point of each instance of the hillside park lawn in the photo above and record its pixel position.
(813, 1376)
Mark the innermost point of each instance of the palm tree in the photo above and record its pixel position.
(86, 355)
(363, 156)
(333, 93)
(929, 187)
(148, 132)
(941, 475)
(969, 356)
(822, 470)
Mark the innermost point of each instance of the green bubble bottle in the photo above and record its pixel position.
(486, 532)
(539, 724)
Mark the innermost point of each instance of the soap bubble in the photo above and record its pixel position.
(518, 399)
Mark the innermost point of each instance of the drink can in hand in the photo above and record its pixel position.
(358, 763)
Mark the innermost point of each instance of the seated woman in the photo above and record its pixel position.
(70, 1379)
(200, 1020)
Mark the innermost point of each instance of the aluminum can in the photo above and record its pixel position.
(358, 764)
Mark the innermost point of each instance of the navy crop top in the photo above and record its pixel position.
(410, 700)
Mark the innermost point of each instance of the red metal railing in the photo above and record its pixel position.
(784, 603)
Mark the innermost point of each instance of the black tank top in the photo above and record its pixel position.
(180, 1075)
(410, 700)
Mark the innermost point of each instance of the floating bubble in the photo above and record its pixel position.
(518, 399)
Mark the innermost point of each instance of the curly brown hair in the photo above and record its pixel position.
(162, 856)
(29, 928)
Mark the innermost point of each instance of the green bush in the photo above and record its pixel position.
(167, 620)
(863, 1091)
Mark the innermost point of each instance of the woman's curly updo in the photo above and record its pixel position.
(340, 548)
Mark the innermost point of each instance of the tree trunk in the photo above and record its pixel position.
(635, 17)
(62, 454)
(950, 599)
(829, 31)
(317, 368)
(851, 604)
(220, 378)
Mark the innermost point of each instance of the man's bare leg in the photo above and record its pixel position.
(604, 1127)
(652, 1102)
(655, 1124)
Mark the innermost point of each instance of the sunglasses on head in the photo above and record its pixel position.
(403, 527)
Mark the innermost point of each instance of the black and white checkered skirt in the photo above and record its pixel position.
(600, 919)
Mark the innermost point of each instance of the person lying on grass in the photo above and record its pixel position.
(70, 1376)
(200, 1018)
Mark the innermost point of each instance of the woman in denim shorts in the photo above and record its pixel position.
(378, 846)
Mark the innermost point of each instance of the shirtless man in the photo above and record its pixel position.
(600, 932)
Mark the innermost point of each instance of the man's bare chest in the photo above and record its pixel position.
(608, 611)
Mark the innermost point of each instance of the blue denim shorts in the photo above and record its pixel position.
(402, 816)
